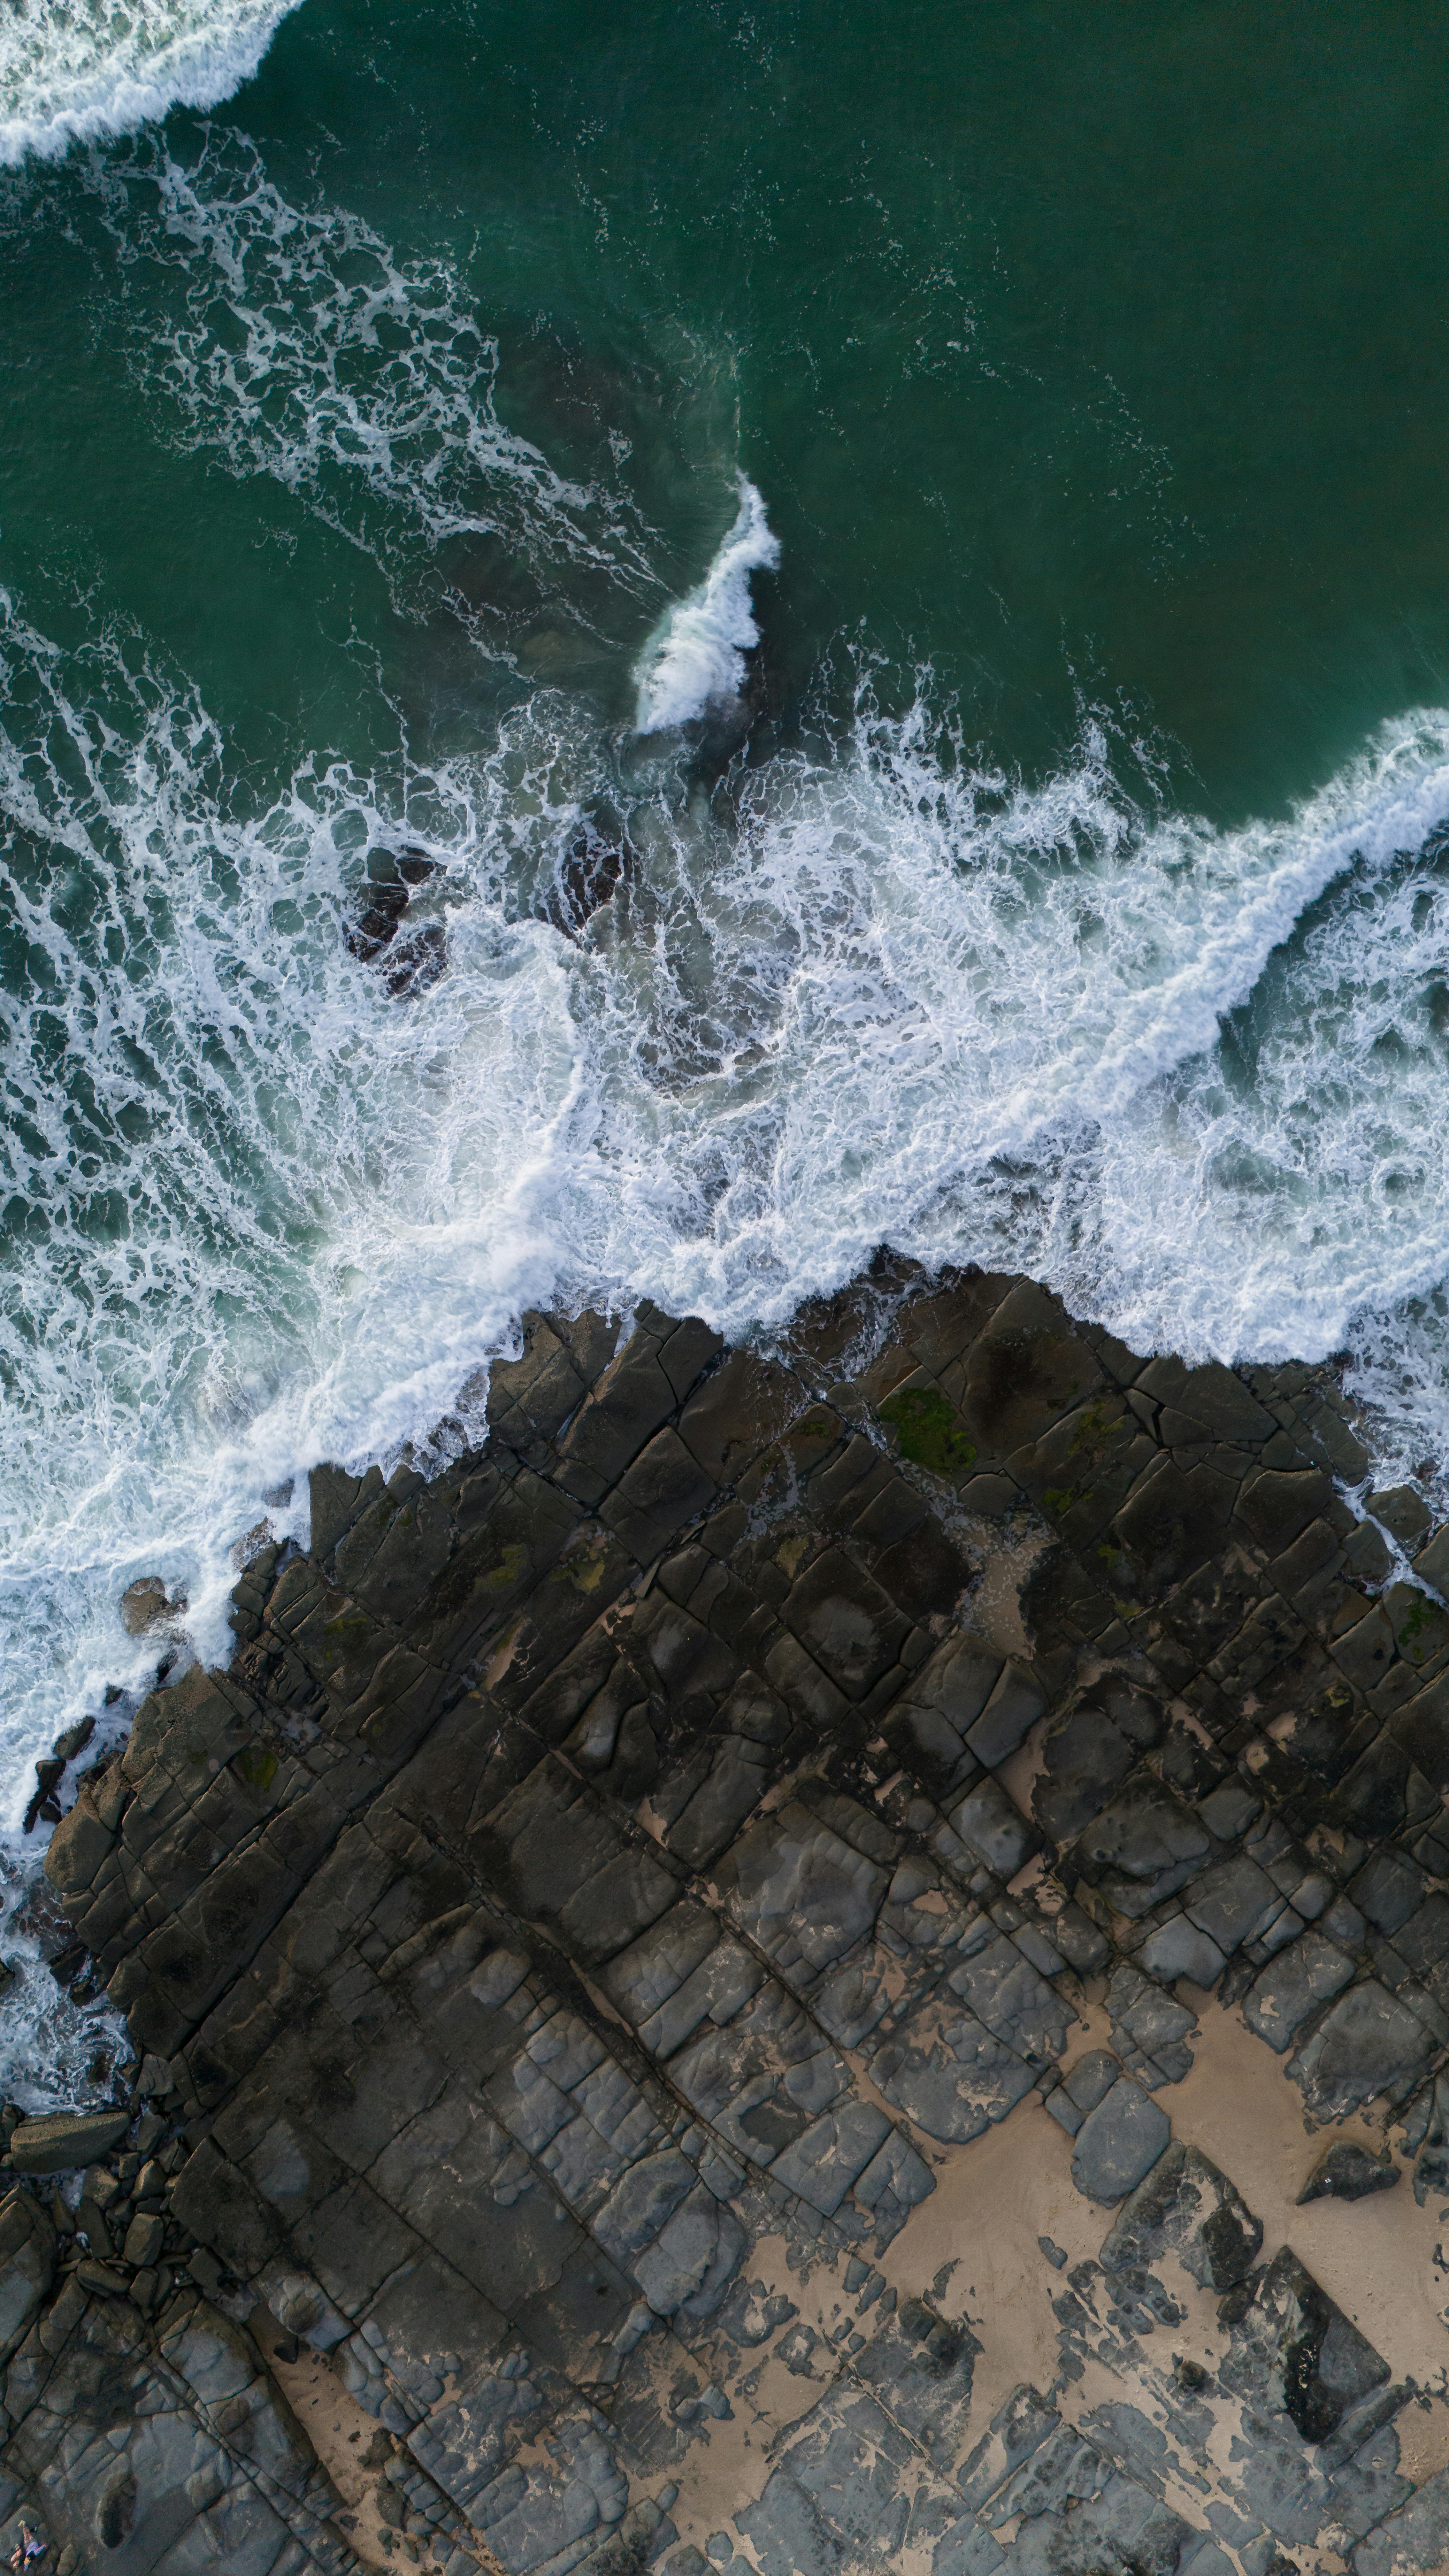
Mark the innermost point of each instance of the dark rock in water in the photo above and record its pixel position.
(68, 1964)
(417, 961)
(1349, 2172)
(380, 907)
(379, 910)
(43, 1802)
(49, 1773)
(145, 1603)
(65, 2140)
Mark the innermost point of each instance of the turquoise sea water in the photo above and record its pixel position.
(940, 515)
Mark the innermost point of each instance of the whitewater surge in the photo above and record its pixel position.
(292, 341)
(261, 1211)
(695, 658)
(81, 71)
(273, 1214)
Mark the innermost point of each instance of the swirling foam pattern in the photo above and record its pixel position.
(258, 1210)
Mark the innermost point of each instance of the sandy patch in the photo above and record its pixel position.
(1380, 2258)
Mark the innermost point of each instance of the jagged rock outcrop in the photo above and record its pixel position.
(616, 1885)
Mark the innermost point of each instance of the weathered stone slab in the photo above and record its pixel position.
(63, 2141)
(593, 1873)
(1119, 2142)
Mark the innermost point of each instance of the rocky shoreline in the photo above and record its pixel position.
(649, 1921)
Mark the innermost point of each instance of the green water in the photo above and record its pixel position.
(1094, 357)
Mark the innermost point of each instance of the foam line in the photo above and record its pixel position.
(272, 1214)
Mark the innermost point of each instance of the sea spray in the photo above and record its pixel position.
(695, 659)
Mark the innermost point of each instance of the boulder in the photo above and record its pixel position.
(145, 1604)
(1347, 2171)
(65, 2140)
(1295, 2349)
(1402, 1511)
(1178, 1949)
(27, 2264)
(1187, 2207)
(1143, 1847)
(1367, 2043)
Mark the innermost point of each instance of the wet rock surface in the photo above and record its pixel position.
(618, 1893)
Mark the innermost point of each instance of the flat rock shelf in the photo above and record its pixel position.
(817, 1959)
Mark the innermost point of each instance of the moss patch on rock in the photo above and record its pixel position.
(926, 1428)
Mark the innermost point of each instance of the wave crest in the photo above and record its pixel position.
(82, 71)
(695, 659)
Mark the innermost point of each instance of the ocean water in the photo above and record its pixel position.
(940, 524)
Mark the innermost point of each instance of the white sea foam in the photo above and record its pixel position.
(293, 341)
(695, 658)
(84, 70)
(259, 1213)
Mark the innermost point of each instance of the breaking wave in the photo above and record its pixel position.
(81, 71)
(262, 1209)
(695, 659)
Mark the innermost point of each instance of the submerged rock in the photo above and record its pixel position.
(411, 962)
(598, 862)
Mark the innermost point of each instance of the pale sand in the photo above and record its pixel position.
(350, 2446)
(1382, 2259)
(973, 2248)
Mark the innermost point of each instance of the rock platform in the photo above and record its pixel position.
(653, 1924)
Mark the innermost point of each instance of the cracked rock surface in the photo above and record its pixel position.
(639, 1912)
